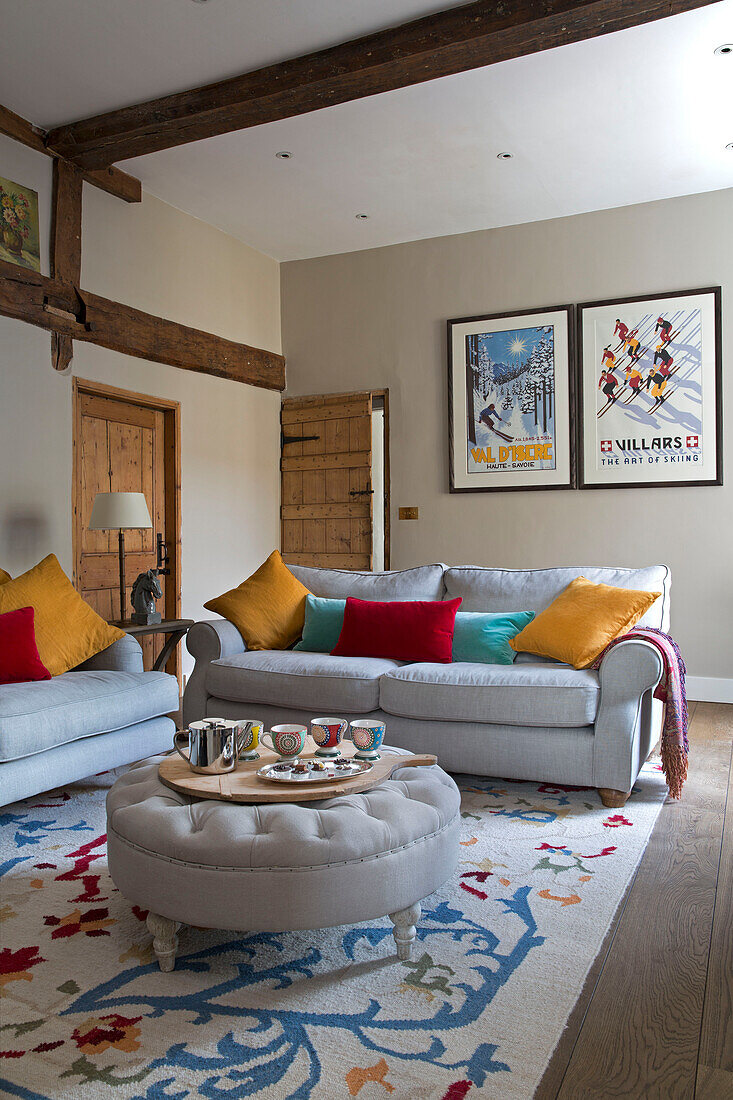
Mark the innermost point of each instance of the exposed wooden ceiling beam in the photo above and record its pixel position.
(113, 180)
(65, 245)
(448, 42)
(78, 314)
(66, 223)
(132, 332)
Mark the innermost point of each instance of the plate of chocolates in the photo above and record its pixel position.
(314, 771)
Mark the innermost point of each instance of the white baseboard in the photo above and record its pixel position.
(709, 689)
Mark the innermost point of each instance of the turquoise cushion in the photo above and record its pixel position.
(323, 621)
(482, 638)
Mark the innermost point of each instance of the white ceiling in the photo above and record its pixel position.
(68, 59)
(639, 115)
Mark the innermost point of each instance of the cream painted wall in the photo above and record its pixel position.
(156, 258)
(377, 318)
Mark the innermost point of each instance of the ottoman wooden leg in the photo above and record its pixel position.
(165, 940)
(404, 930)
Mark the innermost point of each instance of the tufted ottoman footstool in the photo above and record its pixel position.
(280, 867)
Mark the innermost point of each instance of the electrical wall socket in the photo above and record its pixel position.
(408, 513)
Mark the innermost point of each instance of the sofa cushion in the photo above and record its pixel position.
(406, 630)
(268, 608)
(535, 589)
(35, 717)
(482, 638)
(425, 582)
(19, 660)
(315, 681)
(324, 618)
(584, 619)
(513, 695)
(68, 630)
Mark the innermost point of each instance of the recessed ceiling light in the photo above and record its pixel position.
(726, 48)
(361, 217)
(284, 154)
(504, 156)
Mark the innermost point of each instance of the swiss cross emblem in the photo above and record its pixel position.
(693, 441)
(607, 445)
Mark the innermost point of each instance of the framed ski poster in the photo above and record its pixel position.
(510, 398)
(650, 396)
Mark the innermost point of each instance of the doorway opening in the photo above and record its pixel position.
(335, 509)
(127, 442)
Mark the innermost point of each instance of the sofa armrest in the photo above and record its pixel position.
(214, 638)
(207, 641)
(625, 727)
(124, 655)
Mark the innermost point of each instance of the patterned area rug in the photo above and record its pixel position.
(501, 957)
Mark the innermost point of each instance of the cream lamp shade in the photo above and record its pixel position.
(117, 511)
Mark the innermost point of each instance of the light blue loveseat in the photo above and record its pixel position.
(535, 719)
(103, 714)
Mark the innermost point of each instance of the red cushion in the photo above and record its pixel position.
(414, 630)
(19, 660)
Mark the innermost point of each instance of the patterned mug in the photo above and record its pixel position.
(249, 731)
(287, 741)
(368, 736)
(327, 734)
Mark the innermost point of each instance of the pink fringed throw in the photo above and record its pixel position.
(671, 690)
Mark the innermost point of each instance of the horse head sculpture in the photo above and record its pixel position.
(145, 591)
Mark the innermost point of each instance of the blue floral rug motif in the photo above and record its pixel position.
(501, 956)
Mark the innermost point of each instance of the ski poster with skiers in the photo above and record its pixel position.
(510, 390)
(651, 391)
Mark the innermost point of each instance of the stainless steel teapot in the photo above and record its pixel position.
(213, 745)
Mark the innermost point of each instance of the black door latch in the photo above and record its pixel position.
(297, 438)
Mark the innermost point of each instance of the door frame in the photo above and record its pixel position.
(384, 394)
(172, 477)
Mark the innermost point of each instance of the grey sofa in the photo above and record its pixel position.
(105, 713)
(536, 719)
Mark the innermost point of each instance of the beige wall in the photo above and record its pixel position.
(156, 258)
(377, 318)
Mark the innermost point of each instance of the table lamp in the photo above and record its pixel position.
(120, 512)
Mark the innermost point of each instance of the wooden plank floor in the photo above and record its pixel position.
(655, 1019)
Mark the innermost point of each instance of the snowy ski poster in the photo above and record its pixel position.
(651, 391)
(510, 390)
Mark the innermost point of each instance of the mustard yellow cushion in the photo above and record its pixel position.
(579, 624)
(4, 576)
(268, 609)
(68, 631)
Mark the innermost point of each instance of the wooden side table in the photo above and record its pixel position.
(174, 628)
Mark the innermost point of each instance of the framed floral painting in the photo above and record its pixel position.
(510, 396)
(650, 398)
(19, 236)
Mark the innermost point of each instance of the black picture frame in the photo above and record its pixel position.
(568, 312)
(586, 369)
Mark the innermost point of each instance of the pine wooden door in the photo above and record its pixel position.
(120, 448)
(327, 498)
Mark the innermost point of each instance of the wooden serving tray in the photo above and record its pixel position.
(244, 785)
